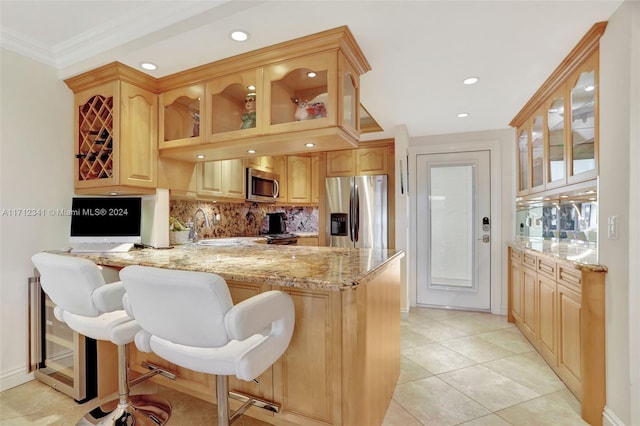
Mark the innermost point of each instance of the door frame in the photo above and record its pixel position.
(464, 143)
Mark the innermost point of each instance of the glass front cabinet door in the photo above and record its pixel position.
(556, 143)
(537, 153)
(301, 94)
(234, 106)
(523, 161)
(179, 117)
(584, 126)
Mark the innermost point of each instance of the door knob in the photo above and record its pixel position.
(485, 238)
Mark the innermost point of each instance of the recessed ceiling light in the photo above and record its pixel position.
(200, 157)
(470, 80)
(463, 115)
(149, 66)
(251, 87)
(309, 145)
(251, 151)
(239, 35)
(312, 74)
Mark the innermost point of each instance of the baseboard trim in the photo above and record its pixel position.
(14, 378)
(404, 314)
(609, 418)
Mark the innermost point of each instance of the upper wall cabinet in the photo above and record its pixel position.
(179, 118)
(557, 130)
(116, 146)
(299, 96)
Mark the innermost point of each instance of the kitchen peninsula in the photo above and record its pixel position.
(343, 362)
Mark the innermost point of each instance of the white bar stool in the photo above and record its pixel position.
(188, 318)
(92, 308)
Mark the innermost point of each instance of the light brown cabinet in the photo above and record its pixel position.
(221, 179)
(560, 310)
(295, 97)
(557, 130)
(359, 162)
(116, 121)
(298, 179)
(264, 163)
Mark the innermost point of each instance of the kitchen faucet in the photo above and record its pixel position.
(193, 235)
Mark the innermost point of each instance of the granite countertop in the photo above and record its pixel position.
(320, 268)
(583, 255)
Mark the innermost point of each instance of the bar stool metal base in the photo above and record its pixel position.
(140, 410)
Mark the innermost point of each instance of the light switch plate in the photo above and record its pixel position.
(612, 227)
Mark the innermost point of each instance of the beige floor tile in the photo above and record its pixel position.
(398, 416)
(410, 337)
(438, 314)
(410, 371)
(490, 420)
(477, 349)
(530, 370)
(493, 390)
(435, 358)
(436, 331)
(508, 338)
(475, 323)
(433, 402)
(549, 410)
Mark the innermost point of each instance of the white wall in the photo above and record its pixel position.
(501, 143)
(618, 195)
(36, 155)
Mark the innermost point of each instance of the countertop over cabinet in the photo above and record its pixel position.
(582, 254)
(343, 362)
(319, 268)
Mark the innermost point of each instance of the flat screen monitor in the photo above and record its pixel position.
(106, 219)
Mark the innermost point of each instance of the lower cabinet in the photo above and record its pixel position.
(560, 310)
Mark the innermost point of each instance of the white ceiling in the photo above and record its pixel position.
(419, 51)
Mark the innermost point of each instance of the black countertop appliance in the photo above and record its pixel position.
(276, 223)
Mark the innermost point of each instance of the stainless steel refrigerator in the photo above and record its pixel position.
(357, 211)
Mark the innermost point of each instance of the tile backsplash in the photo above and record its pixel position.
(242, 219)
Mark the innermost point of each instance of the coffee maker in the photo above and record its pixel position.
(276, 223)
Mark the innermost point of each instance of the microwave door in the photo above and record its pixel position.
(338, 228)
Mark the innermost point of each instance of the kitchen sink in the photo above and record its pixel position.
(221, 242)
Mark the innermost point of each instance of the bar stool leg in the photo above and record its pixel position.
(222, 391)
(130, 410)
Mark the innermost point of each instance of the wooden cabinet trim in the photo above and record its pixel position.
(581, 52)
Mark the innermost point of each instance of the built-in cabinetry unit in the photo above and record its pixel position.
(295, 97)
(116, 146)
(559, 307)
(557, 130)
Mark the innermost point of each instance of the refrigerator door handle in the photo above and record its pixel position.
(351, 213)
(356, 215)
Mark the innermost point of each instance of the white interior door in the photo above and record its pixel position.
(453, 197)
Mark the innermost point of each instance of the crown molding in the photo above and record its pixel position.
(20, 44)
(104, 36)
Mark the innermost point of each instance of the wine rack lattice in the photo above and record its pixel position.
(95, 153)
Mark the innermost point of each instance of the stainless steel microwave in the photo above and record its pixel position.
(262, 187)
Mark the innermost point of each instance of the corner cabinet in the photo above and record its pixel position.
(296, 97)
(559, 307)
(557, 130)
(116, 115)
